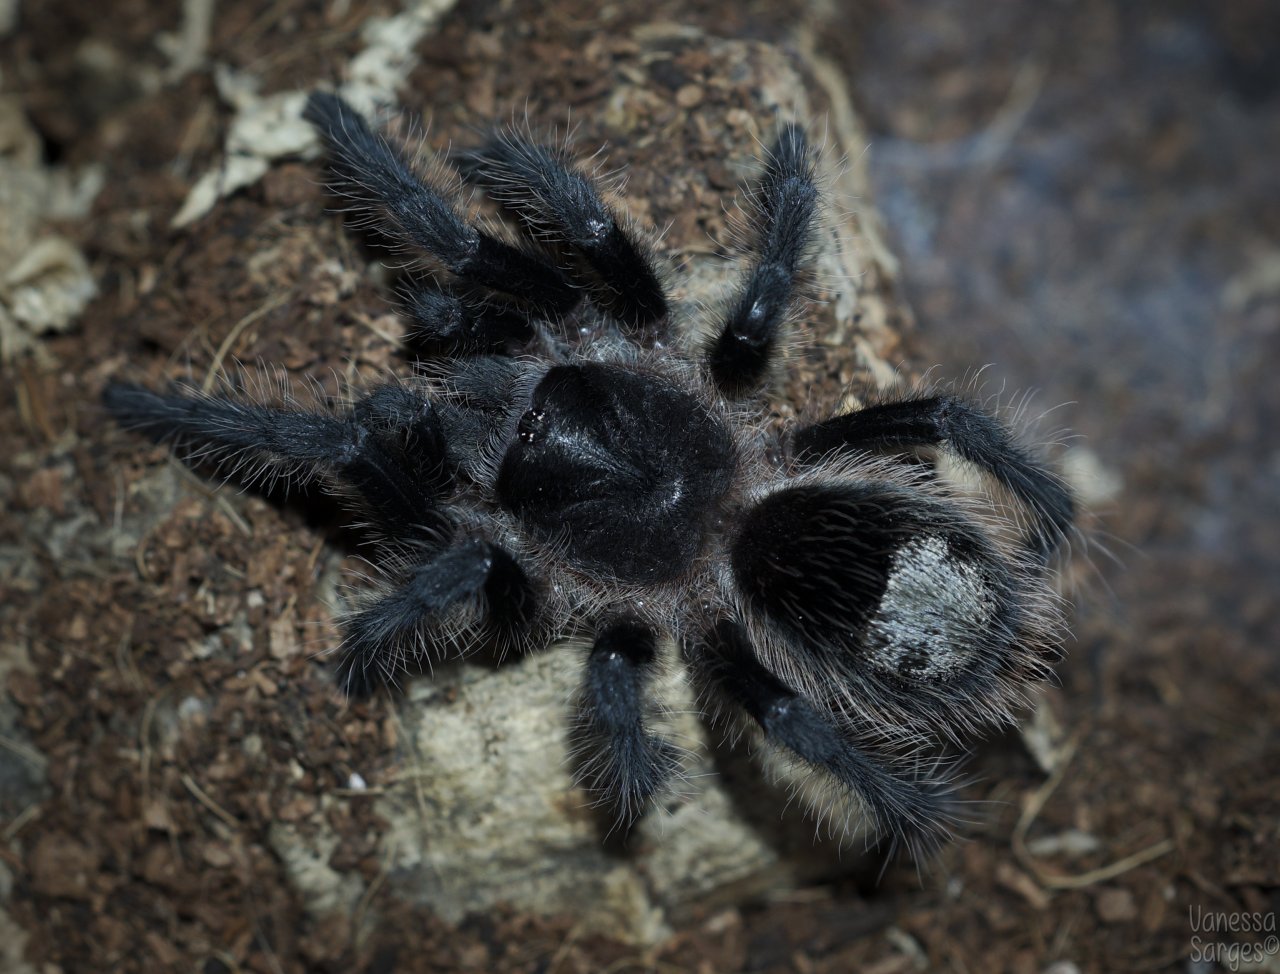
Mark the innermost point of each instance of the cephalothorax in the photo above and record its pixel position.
(571, 457)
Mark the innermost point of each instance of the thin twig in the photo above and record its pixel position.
(24, 751)
(203, 798)
(25, 816)
(236, 331)
(1054, 880)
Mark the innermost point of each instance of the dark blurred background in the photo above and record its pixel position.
(1087, 195)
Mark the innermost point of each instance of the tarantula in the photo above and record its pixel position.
(571, 456)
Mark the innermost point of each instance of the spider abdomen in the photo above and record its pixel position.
(868, 577)
(936, 612)
(623, 466)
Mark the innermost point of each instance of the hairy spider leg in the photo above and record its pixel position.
(911, 809)
(619, 758)
(408, 424)
(783, 207)
(970, 433)
(407, 624)
(561, 206)
(446, 322)
(388, 451)
(387, 632)
(375, 173)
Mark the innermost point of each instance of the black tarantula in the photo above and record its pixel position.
(569, 457)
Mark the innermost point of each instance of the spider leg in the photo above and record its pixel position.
(371, 164)
(448, 323)
(389, 451)
(784, 207)
(407, 428)
(478, 412)
(622, 761)
(972, 434)
(559, 204)
(909, 808)
(385, 633)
